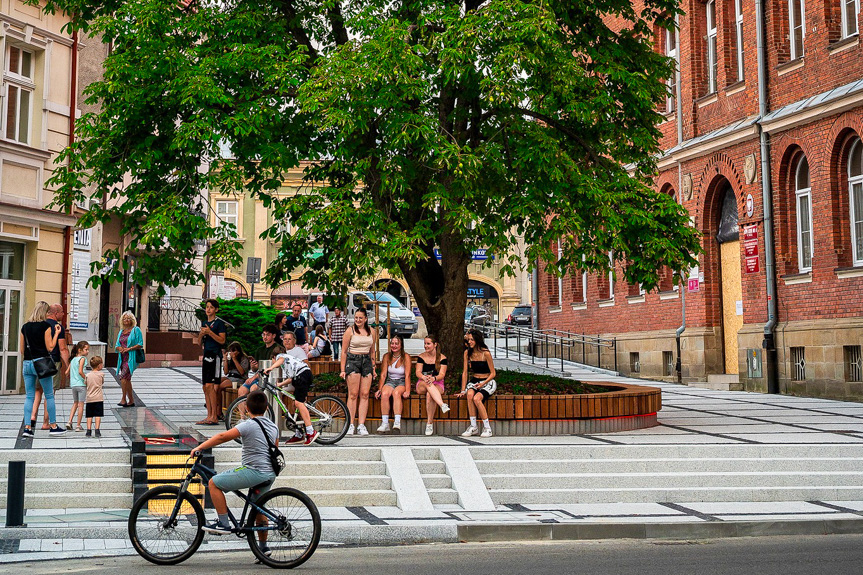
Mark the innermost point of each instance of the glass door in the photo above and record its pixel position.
(10, 327)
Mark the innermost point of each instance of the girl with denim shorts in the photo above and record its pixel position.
(358, 369)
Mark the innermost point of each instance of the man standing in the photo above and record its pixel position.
(60, 355)
(319, 312)
(338, 326)
(213, 334)
(297, 324)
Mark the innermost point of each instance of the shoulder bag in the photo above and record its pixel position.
(140, 356)
(44, 366)
(277, 459)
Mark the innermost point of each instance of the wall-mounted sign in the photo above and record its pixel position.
(692, 284)
(750, 249)
(481, 254)
(750, 205)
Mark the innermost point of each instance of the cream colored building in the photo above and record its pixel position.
(35, 241)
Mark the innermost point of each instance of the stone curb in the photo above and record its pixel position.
(494, 532)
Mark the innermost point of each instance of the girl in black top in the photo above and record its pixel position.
(38, 338)
(430, 372)
(477, 360)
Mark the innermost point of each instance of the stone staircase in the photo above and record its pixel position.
(172, 349)
(437, 481)
(71, 478)
(332, 477)
(679, 473)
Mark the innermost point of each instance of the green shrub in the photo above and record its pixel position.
(248, 318)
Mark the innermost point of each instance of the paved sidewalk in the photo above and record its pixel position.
(690, 416)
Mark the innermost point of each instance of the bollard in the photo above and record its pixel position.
(15, 495)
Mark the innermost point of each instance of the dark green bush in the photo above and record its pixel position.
(248, 319)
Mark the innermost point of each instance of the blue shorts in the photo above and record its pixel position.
(243, 478)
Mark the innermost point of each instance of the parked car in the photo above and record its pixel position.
(521, 315)
(402, 320)
(476, 315)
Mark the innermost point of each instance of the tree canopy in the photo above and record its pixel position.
(427, 123)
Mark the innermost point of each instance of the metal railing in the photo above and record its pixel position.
(550, 347)
(174, 314)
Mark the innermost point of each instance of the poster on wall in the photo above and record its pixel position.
(79, 298)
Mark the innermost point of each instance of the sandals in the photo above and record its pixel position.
(205, 422)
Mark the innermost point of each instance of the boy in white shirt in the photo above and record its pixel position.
(296, 373)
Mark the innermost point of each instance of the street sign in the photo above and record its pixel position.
(253, 270)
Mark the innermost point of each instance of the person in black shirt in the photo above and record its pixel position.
(38, 339)
(61, 357)
(477, 361)
(297, 323)
(213, 334)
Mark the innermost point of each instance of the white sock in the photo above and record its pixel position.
(386, 418)
(398, 418)
(486, 424)
(473, 421)
(309, 430)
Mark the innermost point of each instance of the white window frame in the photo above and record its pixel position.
(797, 51)
(611, 275)
(857, 179)
(560, 276)
(799, 195)
(23, 83)
(738, 27)
(849, 25)
(671, 97)
(224, 216)
(584, 281)
(712, 60)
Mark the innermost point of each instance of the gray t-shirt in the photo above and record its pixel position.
(256, 452)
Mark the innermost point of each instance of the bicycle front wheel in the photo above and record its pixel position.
(333, 425)
(237, 412)
(156, 537)
(294, 535)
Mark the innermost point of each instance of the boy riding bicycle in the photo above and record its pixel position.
(298, 375)
(256, 469)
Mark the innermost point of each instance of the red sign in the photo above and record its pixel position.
(751, 264)
(692, 284)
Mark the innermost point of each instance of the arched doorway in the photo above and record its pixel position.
(285, 295)
(728, 237)
(393, 288)
(481, 293)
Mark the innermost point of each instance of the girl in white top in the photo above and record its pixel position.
(77, 385)
(395, 384)
(358, 369)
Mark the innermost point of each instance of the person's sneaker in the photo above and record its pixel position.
(486, 432)
(429, 429)
(295, 439)
(57, 432)
(28, 432)
(265, 549)
(384, 428)
(216, 528)
(472, 430)
(351, 429)
(397, 427)
(311, 438)
(444, 408)
(361, 430)
(98, 433)
(79, 428)
(88, 434)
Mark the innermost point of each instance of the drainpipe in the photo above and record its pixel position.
(682, 328)
(67, 233)
(769, 343)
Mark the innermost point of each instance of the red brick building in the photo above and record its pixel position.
(811, 122)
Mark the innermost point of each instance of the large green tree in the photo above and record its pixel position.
(429, 124)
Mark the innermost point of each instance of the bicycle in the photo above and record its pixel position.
(329, 414)
(166, 523)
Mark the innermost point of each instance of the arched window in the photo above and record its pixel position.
(855, 199)
(803, 207)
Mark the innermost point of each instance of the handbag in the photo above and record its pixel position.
(140, 356)
(277, 459)
(44, 366)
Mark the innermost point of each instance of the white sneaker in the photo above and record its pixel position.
(361, 430)
(351, 429)
(429, 429)
(397, 426)
(384, 428)
(444, 408)
(472, 430)
(486, 432)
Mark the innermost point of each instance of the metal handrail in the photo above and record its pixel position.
(174, 314)
(550, 344)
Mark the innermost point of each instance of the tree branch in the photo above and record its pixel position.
(597, 159)
(337, 22)
(298, 32)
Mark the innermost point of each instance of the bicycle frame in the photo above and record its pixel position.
(278, 391)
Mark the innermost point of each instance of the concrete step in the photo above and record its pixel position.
(440, 496)
(61, 485)
(324, 468)
(72, 500)
(663, 465)
(431, 466)
(65, 456)
(57, 470)
(630, 452)
(344, 455)
(682, 480)
(426, 453)
(343, 498)
(331, 483)
(674, 494)
(437, 481)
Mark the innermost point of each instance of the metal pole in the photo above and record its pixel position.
(614, 343)
(546, 351)
(15, 494)
(495, 340)
(506, 341)
(583, 350)
(598, 353)
(518, 343)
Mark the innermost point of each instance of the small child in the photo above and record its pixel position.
(75, 371)
(95, 400)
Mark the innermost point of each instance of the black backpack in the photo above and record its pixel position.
(328, 349)
(277, 459)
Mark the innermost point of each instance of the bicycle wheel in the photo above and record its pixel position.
(296, 534)
(335, 425)
(157, 540)
(237, 413)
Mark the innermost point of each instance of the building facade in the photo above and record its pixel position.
(712, 164)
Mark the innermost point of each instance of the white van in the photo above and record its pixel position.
(402, 320)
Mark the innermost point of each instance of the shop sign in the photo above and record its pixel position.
(750, 249)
